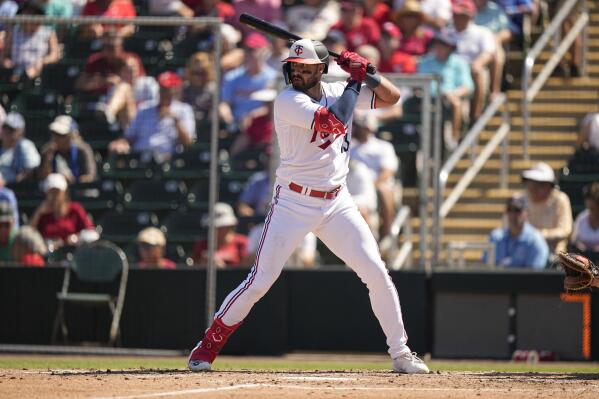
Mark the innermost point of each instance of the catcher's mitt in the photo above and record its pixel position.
(580, 271)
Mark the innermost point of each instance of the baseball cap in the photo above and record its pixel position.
(517, 201)
(308, 51)
(169, 79)
(446, 37)
(255, 40)
(541, 172)
(152, 236)
(464, 7)
(365, 119)
(55, 180)
(15, 121)
(264, 95)
(6, 212)
(223, 216)
(63, 125)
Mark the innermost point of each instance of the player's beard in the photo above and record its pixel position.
(302, 84)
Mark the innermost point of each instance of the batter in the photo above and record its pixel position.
(313, 122)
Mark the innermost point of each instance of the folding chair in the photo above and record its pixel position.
(98, 262)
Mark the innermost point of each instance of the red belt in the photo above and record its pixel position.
(314, 193)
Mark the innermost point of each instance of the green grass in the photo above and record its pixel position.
(274, 364)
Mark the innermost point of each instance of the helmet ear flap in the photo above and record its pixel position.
(287, 72)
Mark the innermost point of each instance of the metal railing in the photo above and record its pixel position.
(530, 90)
(441, 209)
(461, 246)
(399, 256)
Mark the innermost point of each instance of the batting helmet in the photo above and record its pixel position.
(306, 51)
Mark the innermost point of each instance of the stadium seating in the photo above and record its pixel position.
(155, 195)
(122, 227)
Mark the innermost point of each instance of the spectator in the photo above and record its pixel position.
(549, 208)
(231, 248)
(66, 153)
(517, 10)
(18, 155)
(357, 28)
(102, 75)
(335, 41)
(380, 157)
(414, 38)
(490, 15)
(456, 81)
(7, 231)
(361, 186)
(313, 18)
(145, 88)
(7, 195)
(437, 13)
(585, 236)
(588, 134)
(60, 220)
(160, 127)
(394, 60)
(8, 8)
(571, 64)
(256, 195)
(240, 83)
(57, 8)
(378, 11)
(519, 244)
(257, 127)
(109, 9)
(29, 248)
(199, 89)
(268, 10)
(212, 8)
(477, 45)
(176, 8)
(29, 46)
(151, 244)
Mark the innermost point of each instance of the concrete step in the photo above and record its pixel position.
(555, 108)
(538, 121)
(548, 96)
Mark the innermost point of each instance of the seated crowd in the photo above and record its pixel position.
(164, 108)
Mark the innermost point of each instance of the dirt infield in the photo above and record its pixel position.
(133, 384)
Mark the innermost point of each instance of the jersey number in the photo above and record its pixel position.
(327, 144)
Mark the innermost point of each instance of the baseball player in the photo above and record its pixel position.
(313, 121)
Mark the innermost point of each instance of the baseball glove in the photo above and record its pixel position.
(580, 271)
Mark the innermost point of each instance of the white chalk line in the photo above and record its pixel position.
(340, 388)
(300, 378)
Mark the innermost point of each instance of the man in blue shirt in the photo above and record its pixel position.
(241, 82)
(519, 245)
(456, 79)
(160, 127)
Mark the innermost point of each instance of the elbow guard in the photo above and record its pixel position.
(325, 121)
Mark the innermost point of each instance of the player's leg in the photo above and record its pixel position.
(347, 234)
(285, 226)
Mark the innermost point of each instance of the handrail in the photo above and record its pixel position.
(403, 255)
(529, 91)
(442, 209)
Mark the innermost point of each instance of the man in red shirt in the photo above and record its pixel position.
(357, 28)
(109, 9)
(231, 248)
(394, 60)
(102, 76)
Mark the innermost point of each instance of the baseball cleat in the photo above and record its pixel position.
(409, 363)
(198, 361)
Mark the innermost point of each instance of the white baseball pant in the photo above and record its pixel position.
(338, 223)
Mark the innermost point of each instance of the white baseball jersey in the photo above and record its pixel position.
(310, 158)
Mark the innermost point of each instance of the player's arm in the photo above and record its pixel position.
(386, 93)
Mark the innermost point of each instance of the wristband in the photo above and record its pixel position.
(372, 81)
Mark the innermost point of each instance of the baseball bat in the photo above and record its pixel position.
(268, 28)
